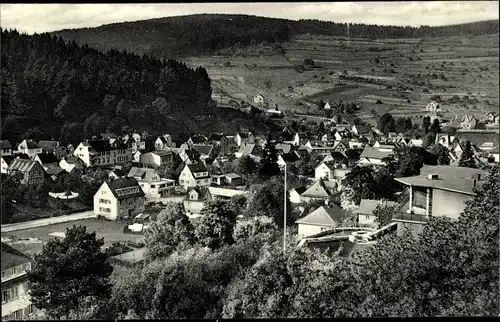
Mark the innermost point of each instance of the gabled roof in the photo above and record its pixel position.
(329, 164)
(197, 167)
(451, 178)
(325, 215)
(246, 148)
(203, 149)
(22, 165)
(12, 257)
(30, 144)
(317, 190)
(300, 190)
(367, 206)
(374, 153)
(192, 154)
(198, 139)
(362, 129)
(284, 147)
(4, 144)
(117, 186)
(47, 158)
(337, 155)
(245, 135)
(232, 175)
(54, 171)
(478, 138)
(163, 152)
(145, 174)
(289, 157)
(162, 139)
(216, 136)
(99, 145)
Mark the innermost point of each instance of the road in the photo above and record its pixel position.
(47, 221)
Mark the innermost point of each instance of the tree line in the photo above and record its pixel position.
(53, 88)
(207, 33)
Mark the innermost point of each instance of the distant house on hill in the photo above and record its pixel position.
(468, 122)
(490, 117)
(259, 99)
(432, 107)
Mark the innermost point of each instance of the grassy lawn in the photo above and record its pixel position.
(110, 231)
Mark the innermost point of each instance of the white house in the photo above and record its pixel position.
(136, 156)
(360, 129)
(327, 106)
(194, 175)
(151, 183)
(324, 171)
(259, 99)
(432, 107)
(102, 153)
(119, 199)
(324, 218)
(16, 301)
(157, 158)
(285, 158)
(295, 194)
(163, 142)
(6, 161)
(244, 137)
(438, 191)
(29, 147)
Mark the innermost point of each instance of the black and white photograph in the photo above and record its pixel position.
(250, 160)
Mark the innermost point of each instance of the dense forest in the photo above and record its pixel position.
(206, 33)
(53, 88)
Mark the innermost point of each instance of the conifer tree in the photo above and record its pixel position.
(269, 165)
(467, 157)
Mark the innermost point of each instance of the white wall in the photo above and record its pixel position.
(294, 197)
(309, 230)
(105, 193)
(321, 171)
(448, 204)
(367, 220)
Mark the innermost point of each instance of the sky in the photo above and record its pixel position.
(31, 18)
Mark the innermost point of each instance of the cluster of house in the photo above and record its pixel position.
(470, 122)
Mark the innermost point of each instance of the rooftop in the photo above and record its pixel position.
(119, 185)
(197, 167)
(367, 206)
(47, 158)
(4, 144)
(325, 215)
(227, 193)
(374, 153)
(451, 178)
(203, 149)
(320, 189)
(145, 174)
(48, 145)
(12, 257)
(22, 165)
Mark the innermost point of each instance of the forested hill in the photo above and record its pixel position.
(206, 33)
(55, 89)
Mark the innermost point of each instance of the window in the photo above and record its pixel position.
(103, 192)
(5, 296)
(18, 314)
(14, 271)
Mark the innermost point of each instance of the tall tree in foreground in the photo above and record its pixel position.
(170, 229)
(71, 275)
(216, 226)
(269, 164)
(442, 153)
(467, 157)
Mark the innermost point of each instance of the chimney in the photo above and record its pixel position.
(276, 106)
(475, 182)
(432, 176)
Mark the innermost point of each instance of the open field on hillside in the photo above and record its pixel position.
(380, 69)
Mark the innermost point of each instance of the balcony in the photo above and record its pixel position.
(402, 216)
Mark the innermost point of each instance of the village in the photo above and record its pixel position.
(235, 165)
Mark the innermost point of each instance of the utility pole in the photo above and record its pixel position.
(348, 38)
(284, 222)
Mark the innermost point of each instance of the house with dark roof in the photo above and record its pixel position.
(468, 122)
(47, 160)
(337, 158)
(194, 175)
(71, 163)
(101, 153)
(324, 170)
(324, 218)
(360, 129)
(16, 301)
(206, 151)
(295, 194)
(221, 142)
(438, 191)
(249, 149)
(189, 156)
(55, 147)
(29, 147)
(5, 147)
(196, 139)
(119, 199)
(32, 172)
(287, 158)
